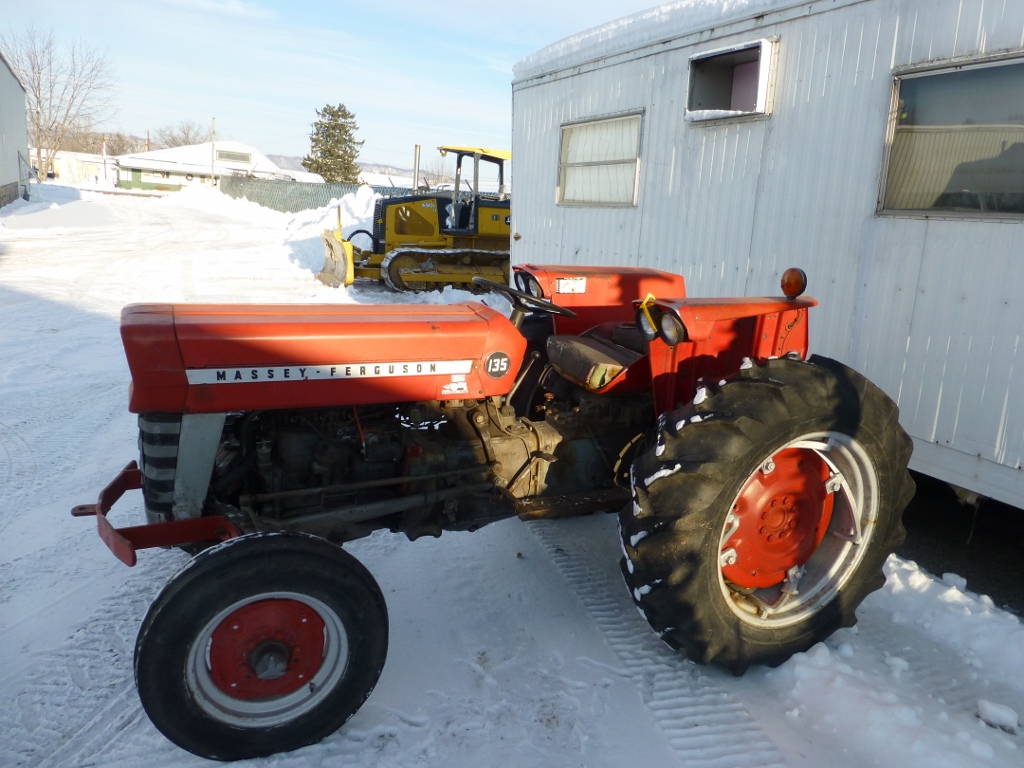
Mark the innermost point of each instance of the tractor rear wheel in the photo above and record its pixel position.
(763, 515)
(263, 644)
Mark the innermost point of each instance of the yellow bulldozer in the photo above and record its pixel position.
(432, 239)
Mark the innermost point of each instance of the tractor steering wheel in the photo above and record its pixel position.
(522, 300)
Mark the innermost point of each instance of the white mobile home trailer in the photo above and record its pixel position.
(877, 144)
(14, 168)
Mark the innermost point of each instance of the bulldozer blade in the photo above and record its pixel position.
(339, 262)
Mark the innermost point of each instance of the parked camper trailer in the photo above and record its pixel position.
(878, 144)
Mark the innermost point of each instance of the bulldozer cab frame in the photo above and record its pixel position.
(464, 216)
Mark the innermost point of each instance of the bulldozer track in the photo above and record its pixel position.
(704, 723)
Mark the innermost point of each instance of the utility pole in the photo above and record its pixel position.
(213, 152)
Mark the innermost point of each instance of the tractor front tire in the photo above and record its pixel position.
(764, 513)
(262, 644)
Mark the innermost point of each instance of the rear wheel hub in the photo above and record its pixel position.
(778, 519)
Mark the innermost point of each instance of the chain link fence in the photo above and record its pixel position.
(293, 196)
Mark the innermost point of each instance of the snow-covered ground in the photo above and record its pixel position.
(513, 646)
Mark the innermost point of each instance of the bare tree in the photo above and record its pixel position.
(183, 134)
(115, 143)
(78, 139)
(437, 172)
(119, 143)
(66, 87)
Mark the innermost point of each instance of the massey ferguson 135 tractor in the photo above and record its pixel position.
(758, 491)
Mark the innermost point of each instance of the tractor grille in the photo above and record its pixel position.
(158, 452)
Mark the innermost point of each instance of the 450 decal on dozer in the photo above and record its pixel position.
(758, 491)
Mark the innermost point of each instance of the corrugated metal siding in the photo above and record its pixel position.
(963, 375)
(823, 164)
(695, 234)
(13, 125)
(885, 294)
(731, 205)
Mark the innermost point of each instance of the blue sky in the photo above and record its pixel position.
(424, 73)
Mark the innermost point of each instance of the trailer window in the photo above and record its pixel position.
(731, 82)
(234, 157)
(599, 162)
(958, 141)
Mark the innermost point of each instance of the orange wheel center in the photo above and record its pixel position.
(781, 517)
(268, 648)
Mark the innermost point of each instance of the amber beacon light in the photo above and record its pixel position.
(794, 282)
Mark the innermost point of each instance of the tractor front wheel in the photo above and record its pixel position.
(263, 644)
(765, 511)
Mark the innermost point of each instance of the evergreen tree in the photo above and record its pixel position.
(333, 146)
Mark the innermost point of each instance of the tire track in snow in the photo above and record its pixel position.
(38, 445)
(118, 714)
(703, 723)
(18, 468)
(78, 700)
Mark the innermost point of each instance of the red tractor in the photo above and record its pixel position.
(758, 491)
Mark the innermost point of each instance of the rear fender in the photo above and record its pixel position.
(718, 334)
(600, 294)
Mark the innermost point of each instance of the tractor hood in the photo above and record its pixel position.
(215, 358)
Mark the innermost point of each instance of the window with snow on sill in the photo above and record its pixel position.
(734, 82)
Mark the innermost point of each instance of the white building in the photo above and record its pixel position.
(878, 144)
(14, 168)
(71, 167)
(174, 168)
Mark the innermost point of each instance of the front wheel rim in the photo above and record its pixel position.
(294, 680)
(832, 503)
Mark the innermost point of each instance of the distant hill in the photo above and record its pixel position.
(294, 163)
(286, 162)
(384, 170)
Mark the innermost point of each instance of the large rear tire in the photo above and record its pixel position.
(765, 511)
(263, 644)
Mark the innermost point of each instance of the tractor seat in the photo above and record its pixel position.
(628, 335)
(591, 361)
